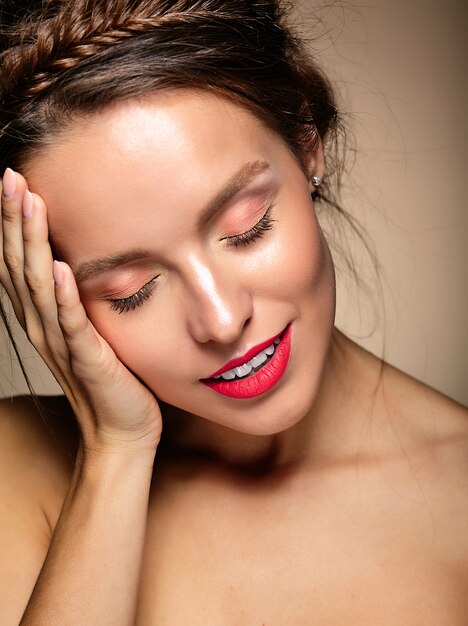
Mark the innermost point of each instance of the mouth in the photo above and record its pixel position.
(256, 358)
(256, 375)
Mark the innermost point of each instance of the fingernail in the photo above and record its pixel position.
(9, 183)
(28, 203)
(58, 273)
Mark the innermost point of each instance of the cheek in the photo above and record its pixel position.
(136, 342)
(301, 262)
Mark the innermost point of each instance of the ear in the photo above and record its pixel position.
(315, 163)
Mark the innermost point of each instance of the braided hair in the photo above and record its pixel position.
(63, 59)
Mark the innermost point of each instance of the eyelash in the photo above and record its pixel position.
(124, 305)
(266, 223)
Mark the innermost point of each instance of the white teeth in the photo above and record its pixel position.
(246, 368)
(243, 370)
(227, 375)
(259, 359)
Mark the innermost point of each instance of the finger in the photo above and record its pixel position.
(12, 244)
(38, 259)
(53, 349)
(4, 274)
(12, 197)
(15, 191)
(38, 273)
(5, 280)
(89, 353)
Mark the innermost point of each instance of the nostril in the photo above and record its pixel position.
(221, 325)
(218, 307)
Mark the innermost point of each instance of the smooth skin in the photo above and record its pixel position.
(336, 498)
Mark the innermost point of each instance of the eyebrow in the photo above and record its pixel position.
(84, 271)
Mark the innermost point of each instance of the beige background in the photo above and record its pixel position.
(400, 67)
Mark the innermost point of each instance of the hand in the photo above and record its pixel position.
(114, 410)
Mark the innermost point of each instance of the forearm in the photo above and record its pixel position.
(91, 572)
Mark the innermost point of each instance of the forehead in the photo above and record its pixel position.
(161, 155)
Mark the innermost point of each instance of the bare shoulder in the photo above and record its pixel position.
(36, 461)
(420, 425)
(435, 440)
(421, 436)
(430, 415)
(429, 432)
(423, 413)
(437, 427)
(38, 446)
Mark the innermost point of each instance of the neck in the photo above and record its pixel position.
(324, 435)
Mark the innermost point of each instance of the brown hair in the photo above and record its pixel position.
(76, 58)
(62, 59)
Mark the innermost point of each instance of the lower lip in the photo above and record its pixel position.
(263, 380)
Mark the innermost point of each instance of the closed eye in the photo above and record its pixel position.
(123, 305)
(257, 231)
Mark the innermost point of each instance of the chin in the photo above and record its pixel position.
(290, 407)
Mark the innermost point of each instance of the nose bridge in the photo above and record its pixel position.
(218, 302)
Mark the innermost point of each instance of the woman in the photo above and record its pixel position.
(222, 453)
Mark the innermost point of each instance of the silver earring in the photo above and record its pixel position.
(316, 180)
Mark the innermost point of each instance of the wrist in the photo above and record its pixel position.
(102, 452)
(106, 440)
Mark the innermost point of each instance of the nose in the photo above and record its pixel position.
(217, 302)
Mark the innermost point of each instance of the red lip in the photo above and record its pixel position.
(263, 380)
(247, 356)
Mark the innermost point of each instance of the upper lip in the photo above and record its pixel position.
(240, 360)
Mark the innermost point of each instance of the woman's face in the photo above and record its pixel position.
(163, 281)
